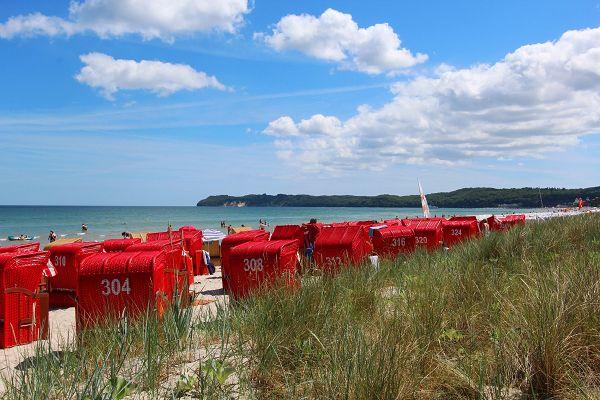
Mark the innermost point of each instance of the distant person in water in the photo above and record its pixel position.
(52, 236)
(84, 228)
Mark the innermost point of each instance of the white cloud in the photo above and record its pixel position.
(334, 36)
(111, 75)
(162, 19)
(538, 99)
(36, 25)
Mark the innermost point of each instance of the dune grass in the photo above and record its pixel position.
(514, 315)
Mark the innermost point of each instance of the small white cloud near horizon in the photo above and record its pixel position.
(335, 37)
(154, 19)
(111, 75)
(538, 99)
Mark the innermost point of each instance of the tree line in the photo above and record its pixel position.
(461, 198)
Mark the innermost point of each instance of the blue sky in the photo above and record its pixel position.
(107, 104)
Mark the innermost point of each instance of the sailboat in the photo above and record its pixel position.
(424, 204)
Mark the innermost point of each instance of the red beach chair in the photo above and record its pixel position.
(338, 246)
(389, 241)
(111, 284)
(66, 259)
(23, 298)
(252, 264)
(233, 240)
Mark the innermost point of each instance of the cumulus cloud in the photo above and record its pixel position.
(36, 25)
(540, 98)
(110, 75)
(334, 36)
(162, 19)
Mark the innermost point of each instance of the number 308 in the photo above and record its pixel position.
(253, 264)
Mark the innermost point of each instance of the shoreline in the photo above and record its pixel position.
(113, 229)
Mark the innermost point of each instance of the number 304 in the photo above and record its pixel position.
(115, 287)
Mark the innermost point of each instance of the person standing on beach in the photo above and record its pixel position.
(486, 228)
(51, 237)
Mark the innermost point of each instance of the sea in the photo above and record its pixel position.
(109, 222)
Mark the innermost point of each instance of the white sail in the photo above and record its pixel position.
(423, 201)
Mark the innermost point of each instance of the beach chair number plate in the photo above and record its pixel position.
(398, 242)
(253, 264)
(115, 287)
(60, 261)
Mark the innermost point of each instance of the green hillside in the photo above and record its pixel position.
(467, 197)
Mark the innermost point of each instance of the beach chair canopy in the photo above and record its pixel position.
(254, 264)
(23, 307)
(455, 231)
(463, 218)
(21, 248)
(389, 241)
(289, 232)
(116, 245)
(66, 259)
(230, 241)
(416, 220)
(338, 246)
(428, 233)
(132, 282)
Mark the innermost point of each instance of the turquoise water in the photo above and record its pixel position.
(104, 222)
